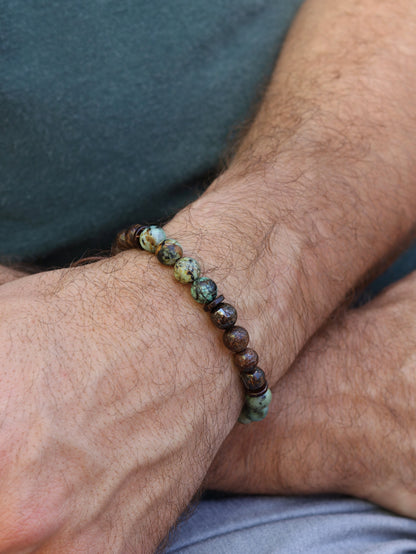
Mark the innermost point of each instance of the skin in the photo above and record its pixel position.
(105, 399)
(104, 407)
(343, 419)
(9, 274)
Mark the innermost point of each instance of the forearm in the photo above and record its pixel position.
(304, 211)
(343, 419)
(321, 191)
(111, 383)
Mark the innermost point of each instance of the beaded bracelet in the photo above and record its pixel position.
(224, 316)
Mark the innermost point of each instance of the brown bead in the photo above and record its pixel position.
(255, 381)
(224, 316)
(127, 238)
(133, 235)
(236, 338)
(258, 392)
(212, 305)
(120, 243)
(246, 360)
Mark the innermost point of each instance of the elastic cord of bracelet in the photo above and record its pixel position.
(223, 315)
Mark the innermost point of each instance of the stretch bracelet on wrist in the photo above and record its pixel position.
(224, 316)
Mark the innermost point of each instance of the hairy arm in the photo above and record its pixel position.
(320, 192)
(112, 410)
(344, 419)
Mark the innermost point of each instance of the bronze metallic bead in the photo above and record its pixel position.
(224, 316)
(120, 243)
(212, 305)
(236, 338)
(255, 381)
(133, 235)
(246, 360)
(260, 392)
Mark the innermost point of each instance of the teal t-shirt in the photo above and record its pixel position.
(117, 111)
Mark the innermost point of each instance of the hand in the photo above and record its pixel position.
(104, 401)
(105, 398)
(343, 419)
(82, 428)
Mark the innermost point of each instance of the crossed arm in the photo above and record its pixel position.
(112, 411)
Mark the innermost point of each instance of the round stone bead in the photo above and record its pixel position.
(258, 406)
(248, 416)
(169, 251)
(204, 290)
(151, 237)
(236, 338)
(224, 316)
(254, 381)
(187, 270)
(246, 360)
(244, 416)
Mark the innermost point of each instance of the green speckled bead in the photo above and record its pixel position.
(258, 406)
(244, 416)
(248, 416)
(204, 290)
(169, 251)
(187, 270)
(151, 237)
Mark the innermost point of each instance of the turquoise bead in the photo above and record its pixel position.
(259, 402)
(256, 407)
(244, 416)
(187, 270)
(258, 415)
(169, 251)
(151, 237)
(204, 290)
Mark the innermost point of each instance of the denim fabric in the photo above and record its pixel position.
(303, 525)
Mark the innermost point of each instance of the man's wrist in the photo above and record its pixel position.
(129, 352)
(254, 260)
(284, 251)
